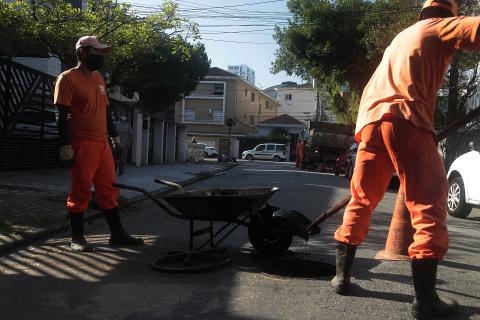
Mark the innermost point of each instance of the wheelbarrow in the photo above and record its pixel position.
(270, 229)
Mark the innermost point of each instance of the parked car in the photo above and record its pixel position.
(210, 152)
(344, 163)
(267, 151)
(464, 183)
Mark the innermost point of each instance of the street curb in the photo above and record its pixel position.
(5, 248)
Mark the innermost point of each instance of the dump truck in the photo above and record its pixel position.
(327, 141)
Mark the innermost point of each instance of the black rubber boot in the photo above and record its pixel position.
(427, 304)
(344, 260)
(78, 243)
(119, 237)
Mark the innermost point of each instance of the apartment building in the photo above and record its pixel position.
(223, 108)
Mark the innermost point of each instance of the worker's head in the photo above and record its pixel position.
(123, 116)
(90, 52)
(439, 9)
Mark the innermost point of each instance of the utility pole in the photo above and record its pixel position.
(318, 111)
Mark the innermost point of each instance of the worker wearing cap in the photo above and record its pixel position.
(84, 125)
(395, 128)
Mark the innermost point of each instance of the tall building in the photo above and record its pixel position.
(244, 72)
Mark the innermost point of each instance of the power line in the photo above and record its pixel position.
(242, 5)
(244, 42)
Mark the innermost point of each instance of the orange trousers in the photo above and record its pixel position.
(396, 144)
(93, 165)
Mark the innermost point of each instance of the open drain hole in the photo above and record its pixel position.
(299, 268)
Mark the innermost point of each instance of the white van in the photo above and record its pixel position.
(267, 151)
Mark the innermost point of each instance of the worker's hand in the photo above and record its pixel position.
(67, 156)
(117, 142)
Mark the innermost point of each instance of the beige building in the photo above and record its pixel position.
(223, 98)
(299, 102)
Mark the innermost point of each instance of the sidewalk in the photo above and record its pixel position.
(32, 203)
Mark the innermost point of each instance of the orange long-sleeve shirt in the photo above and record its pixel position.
(412, 70)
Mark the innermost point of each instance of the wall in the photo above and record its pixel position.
(302, 105)
(253, 112)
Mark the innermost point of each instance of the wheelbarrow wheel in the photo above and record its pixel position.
(266, 241)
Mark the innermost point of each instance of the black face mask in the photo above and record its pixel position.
(93, 61)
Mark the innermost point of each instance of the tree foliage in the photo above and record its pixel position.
(340, 43)
(155, 49)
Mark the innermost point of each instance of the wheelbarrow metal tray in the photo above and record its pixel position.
(220, 204)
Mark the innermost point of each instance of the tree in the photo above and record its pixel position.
(141, 45)
(339, 43)
(167, 73)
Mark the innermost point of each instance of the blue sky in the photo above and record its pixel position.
(227, 42)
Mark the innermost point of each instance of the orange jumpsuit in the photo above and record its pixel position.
(297, 155)
(86, 98)
(301, 152)
(395, 128)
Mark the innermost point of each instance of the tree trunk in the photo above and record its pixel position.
(452, 112)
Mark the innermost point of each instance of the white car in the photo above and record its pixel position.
(266, 151)
(210, 152)
(464, 184)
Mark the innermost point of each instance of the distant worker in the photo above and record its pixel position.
(297, 154)
(194, 140)
(301, 152)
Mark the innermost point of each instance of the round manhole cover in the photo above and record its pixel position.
(309, 269)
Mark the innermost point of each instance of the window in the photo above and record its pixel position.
(270, 148)
(252, 96)
(260, 109)
(288, 96)
(252, 120)
(218, 89)
(267, 105)
(218, 116)
(260, 148)
(189, 115)
(204, 115)
(280, 147)
(246, 93)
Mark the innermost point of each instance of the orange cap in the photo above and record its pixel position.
(449, 5)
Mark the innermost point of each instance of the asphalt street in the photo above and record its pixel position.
(46, 281)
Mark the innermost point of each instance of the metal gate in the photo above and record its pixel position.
(28, 129)
(28, 118)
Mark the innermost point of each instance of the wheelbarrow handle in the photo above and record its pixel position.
(327, 214)
(171, 184)
(160, 202)
(128, 187)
